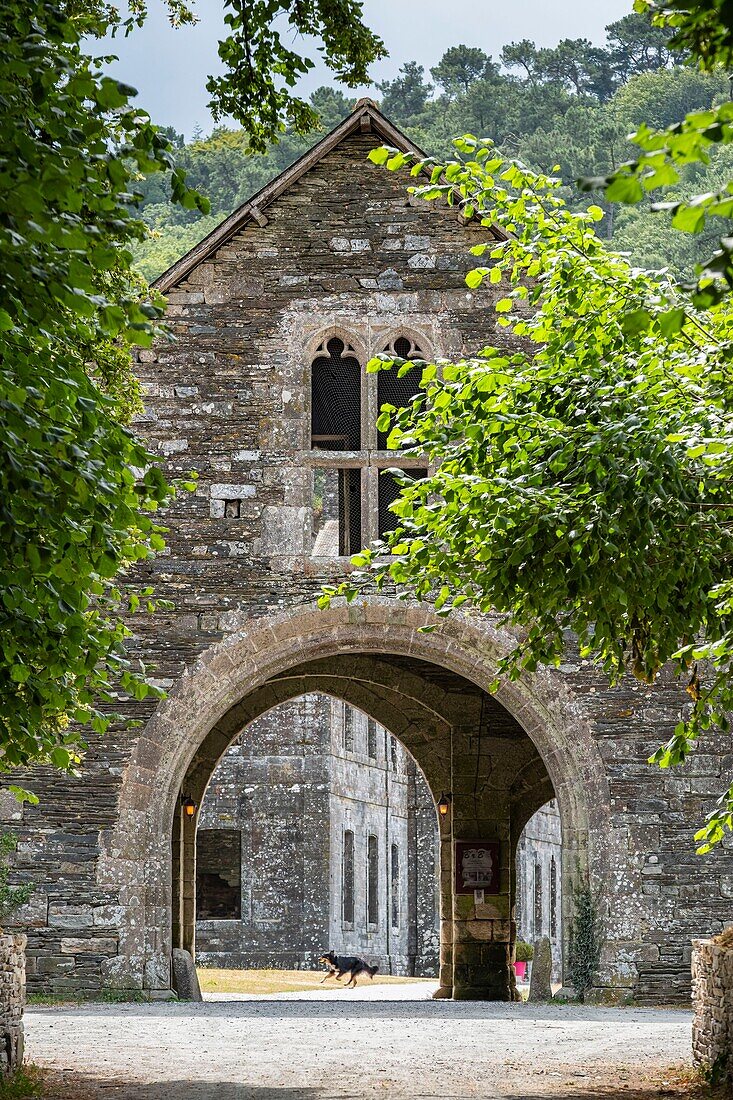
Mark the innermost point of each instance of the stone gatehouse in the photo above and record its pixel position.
(264, 394)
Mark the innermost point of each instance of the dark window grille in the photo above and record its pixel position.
(336, 399)
(553, 898)
(395, 885)
(538, 898)
(372, 880)
(389, 490)
(349, 511)
(393, 755)
(347, 891)
(371, 739)
(393, 390)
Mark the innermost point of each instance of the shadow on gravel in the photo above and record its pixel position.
(285, 1008)
(79, 1086)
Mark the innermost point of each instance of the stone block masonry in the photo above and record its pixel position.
(12, 1002)
(712, 998)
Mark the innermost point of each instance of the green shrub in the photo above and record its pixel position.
(586, 937)
(524, 952)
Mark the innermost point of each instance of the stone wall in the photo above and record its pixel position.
(12, 1002)
(539, 878)
(712, 998)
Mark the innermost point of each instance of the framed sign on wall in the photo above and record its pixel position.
(477, 864)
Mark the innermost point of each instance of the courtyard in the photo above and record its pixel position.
(384, 1041)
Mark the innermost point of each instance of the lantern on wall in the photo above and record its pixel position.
(444, 803)
(189, 806)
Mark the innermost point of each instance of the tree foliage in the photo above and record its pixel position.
(581, 463)
(705, 28)
(73, 512)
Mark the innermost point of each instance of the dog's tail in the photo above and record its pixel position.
(372, 970)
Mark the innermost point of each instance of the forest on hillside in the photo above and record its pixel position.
(567, 111)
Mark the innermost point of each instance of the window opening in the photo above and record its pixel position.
(395, 885)
(553, 898)
(389, 490)
(537, 898)
(393, 755)
(371, 739)
(393, 390)
(336, 512)
(347, 869)
(372, 880)
(348, 729)
(218, 874)
(336, 398)
(232, 509)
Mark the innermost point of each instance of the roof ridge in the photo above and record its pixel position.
(365, 116)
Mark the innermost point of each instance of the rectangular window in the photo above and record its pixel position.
(336, 512)
(395, 885)
(393, 753)
(347, 873)
(389, 490)
(372, 881)
(371, 739)
(553, 898)
(218, 874)
(349, 717)
(538, 923)
(232, 509)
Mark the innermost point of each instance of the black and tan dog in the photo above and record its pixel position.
(338, 965)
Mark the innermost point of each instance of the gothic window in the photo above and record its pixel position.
(389, 490)
(349, 717)
(347, 876)
(553, 898)
(538, 923)
(336, 398)
(218, 874)
(336, 512)
(372, 880)
(395, 885)
(371, 739)
(393, 389)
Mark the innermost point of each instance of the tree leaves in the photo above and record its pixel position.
(73, 516)
(582, 467)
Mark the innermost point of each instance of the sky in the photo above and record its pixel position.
(169, 67)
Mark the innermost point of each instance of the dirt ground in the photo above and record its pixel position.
(375, 1041)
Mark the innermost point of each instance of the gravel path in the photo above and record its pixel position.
(323, 1045)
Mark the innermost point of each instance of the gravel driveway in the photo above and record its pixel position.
(341, 1044)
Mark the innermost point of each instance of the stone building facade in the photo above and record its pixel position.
(538, 910)
(259, 394)
(317, 833)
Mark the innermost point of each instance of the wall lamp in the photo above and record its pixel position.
(189, 806)
(444, 803)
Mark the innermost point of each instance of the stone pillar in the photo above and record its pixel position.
(712, 999)
(12, 1002)
(482, 928)
(445, 972)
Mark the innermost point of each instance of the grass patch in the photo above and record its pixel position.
(281, 981)
(105, 997)
(24, 1084)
